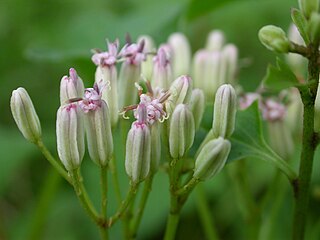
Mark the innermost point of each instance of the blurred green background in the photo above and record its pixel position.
(41, 40)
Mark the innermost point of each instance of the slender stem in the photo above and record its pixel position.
(48, 192)
(53, 161)
(83, 196)
(204, 213)
(124, 205)
(309, 143)
(115, 179)
(141, 207)
(104, 200)
(172, 224)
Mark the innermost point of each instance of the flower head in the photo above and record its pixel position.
(133, 52)
(109, 57)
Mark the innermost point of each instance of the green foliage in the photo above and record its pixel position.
(301, 23)
(279, 77)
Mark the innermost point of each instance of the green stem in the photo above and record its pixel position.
(49, 189)
(309, 143)
(172, 224)
(115, 179)
(205, 216)
(84, 198)
(104, 200)
(124, 205)
(141, 207)
(57, 165)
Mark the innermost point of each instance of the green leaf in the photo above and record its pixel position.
(248, 141)
(279, 77)
(301, 23)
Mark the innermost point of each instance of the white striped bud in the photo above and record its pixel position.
(212, 158)
(181, 54)
(224, 114)
(228, 65)
(180, 92)
(70, 136)
(25, 115)
(197, 106)
(215, 40)
(182, 131)
(98, 126)
(71, 87)
(155, 147)
(138, 148)
(206, 72)
(162, 73)
(106, 77)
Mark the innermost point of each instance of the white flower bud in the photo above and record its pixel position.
(308, 7)
(181, 54)
(224, 114)
(215, 40)
(129, 75)
(182, 131)
(228, 65)
(180, 92)
(314, 27)
(206, 72)
(25, 115)
(99, 136)
(138, 148)
(106, 77)
(297, 62)
(149, 47)
(71, 87)
(197, 106)
(212, 158)
(155, 147)
(70, 136)
(162, 72)
(274, 38)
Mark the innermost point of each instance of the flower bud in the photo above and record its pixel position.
(180, 92)
(274, 38)
(215, 40)
(228, 65)
(182, 131)
(181, 54)
(149, 47)
(212, 158)
(129, 75)
(70, 136)
(308, 7)
(71, 87)
(297, 62)
(138, 148)
(162, 72)
(206, 72)
(25, 115)
(155, 147)
(97, 125)
(197, 106)
(314, 27)
(224, 114)
(107, 76)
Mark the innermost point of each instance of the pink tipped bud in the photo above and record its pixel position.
(181, 54)
(25, 115)
(138, 151)
(70, 136)
(228, 65)
(162, 73)
(71, 87)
